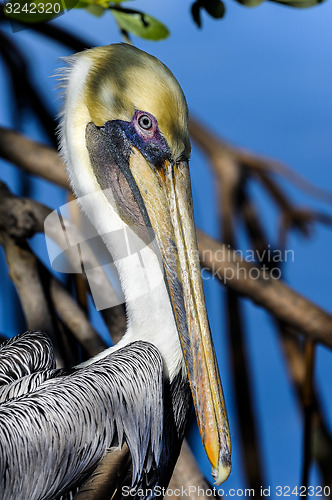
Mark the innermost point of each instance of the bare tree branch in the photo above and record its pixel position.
(296, 364)
(214, 146)
(26, 271)
(25, 274)
(32, 157)
(75, 319)
(22, 218)
(188, 479)
(321, 439)
(279, 299)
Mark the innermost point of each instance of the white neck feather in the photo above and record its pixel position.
(149, 311)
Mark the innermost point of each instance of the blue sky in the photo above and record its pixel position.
(262, 79)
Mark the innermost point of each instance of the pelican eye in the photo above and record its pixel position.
(145, 122)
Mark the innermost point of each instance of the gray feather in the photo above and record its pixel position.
(60, 431)
(24, 354)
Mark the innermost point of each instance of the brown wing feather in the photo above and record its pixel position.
(103, 483)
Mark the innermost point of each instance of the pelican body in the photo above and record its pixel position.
(124, 139)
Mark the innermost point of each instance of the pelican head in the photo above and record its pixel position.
(125, 137)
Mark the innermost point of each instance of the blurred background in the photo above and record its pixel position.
(261, 79)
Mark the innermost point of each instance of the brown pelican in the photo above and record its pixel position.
(124, 138)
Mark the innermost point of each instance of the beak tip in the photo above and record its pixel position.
(223, 471)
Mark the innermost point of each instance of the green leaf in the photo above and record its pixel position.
(29, 11)
(82, 4)
(196, 13)
(250, 3)
(299, 4)
(215, 8)
(69, 4)
(87, 4)
(95, 10)
(140, 24)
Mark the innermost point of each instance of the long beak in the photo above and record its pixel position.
(166, 193)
